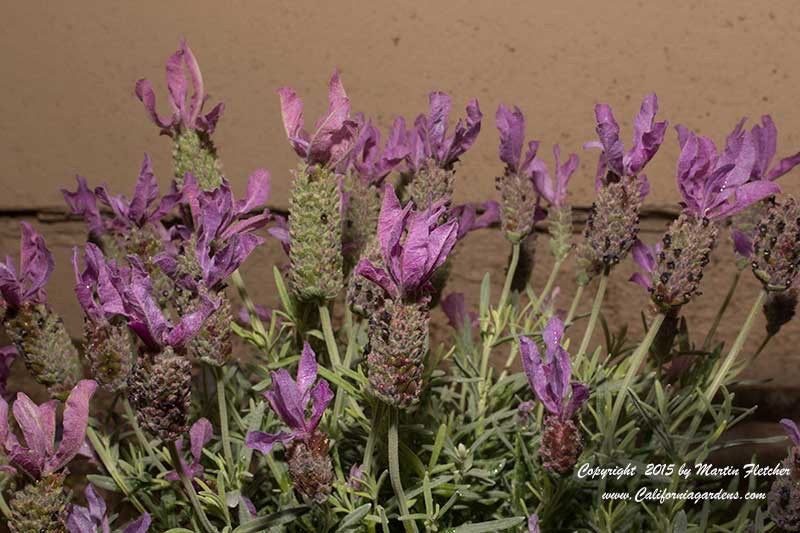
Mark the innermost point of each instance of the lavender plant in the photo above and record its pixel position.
(386, 425)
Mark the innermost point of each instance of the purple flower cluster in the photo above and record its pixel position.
(35, 267)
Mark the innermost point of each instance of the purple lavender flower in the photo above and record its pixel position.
(35, 267)
(549, 377)
(647, 138)
(765, 137)
(791, 430)
(561, 442)
(533, 524)
(141, 209)
(333, 133)
(7, 356)
(185, 115)
(371, 163)
(716, 185)
(83, 202)
(429, 143)
(356, 478)
(413, 243)
(290, 400)
(224, 229)
(93, 519)
(98, 285)
(147, 320)
(40, 457)
(555, 192)
(455, 308)
(511, 125)
(199, 435)
(468, 220)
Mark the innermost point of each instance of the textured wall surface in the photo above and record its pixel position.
(68, 72)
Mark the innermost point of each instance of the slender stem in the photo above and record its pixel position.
(635, 362)
(598, 302)
(4, 506)
(108, 463)
(551, 279)
(330, 340)
(189, 488)
(512, 269)
(369, 449)
(140, 434)
(725, 303)
(762, 346)
(394, 470)
(736, 348)
(574, 305)
(223, 421)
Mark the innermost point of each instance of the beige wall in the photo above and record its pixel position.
(67, 105)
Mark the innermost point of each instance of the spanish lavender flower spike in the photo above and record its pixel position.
(714, 186)
(783, 500)
(549, 379)
(559, 215)
(306, 446)
(519, 199)
(193, 151)
(315, 203)
(413, 245)
(433, 153)
(613, 223)
(108, 341)
(37, 332)
(93, 519)
(160, 383)
(776, 246)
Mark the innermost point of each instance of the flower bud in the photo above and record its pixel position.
(779, 309)
(398, 341)
(776, 246)
(517, 205)
(40, 506)
(310, 466)
(611, 229)
(108, 348)
(561, 445)
(46, 348)
(160, 388)
(431, 184)
(315, 228)
(685, 252)
(193, 151)
(559, 223)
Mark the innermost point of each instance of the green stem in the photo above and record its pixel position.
(512, 269)
(635, 362)
(369, 449)
(330, 340)
(394, 470)
(736, 348)
(762, 346)
(223, 421)
(598, 302)
(551, 279)
(108, 464)
(574, 305)
(4, 506)
(140, 434)
(725, 303)
(189, 488)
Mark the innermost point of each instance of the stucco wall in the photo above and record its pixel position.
(68, 107)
